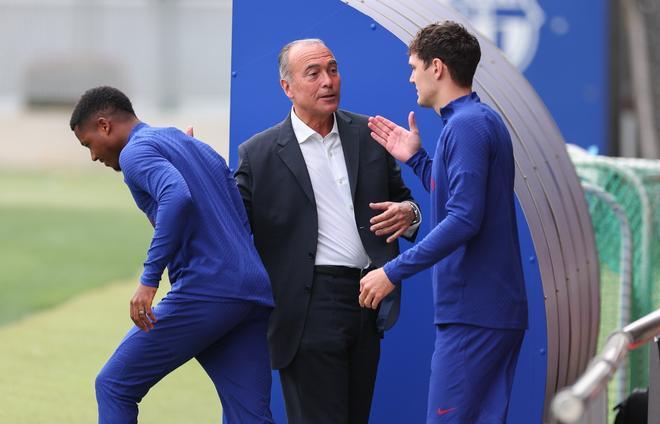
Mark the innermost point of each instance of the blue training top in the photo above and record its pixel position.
(473, 245)
(201, 230)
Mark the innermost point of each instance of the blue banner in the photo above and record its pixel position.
(562, 49)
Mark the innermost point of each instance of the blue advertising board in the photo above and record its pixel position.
(562, 49)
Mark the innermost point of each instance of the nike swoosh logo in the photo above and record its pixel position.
(444, 411)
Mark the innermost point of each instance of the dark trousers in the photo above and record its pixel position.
(331, 378)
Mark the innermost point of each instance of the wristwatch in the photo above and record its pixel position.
(416, 212)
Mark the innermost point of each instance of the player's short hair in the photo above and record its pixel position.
(100, 99)
(451, 43)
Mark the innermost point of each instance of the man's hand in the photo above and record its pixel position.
(395, 219)
(141, 312)
(401, 143)
(374, 287)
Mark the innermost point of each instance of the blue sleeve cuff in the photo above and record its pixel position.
(149, 282)
(414, 159)
(391, 273)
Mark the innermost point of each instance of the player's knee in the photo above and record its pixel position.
(109, 385)
(113, 383)
(102, 384)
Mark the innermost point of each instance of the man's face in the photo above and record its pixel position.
(98, 138)
(424, 79)
(314, 81)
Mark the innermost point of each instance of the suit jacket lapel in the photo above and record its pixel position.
(290, 153)
(350, 144)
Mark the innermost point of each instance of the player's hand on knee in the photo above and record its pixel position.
(141, 312)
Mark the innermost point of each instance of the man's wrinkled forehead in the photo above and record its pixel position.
(305, 55)
(318, 64)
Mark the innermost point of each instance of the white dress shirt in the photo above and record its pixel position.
(338, 240)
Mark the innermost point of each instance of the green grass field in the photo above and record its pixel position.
(48, 363)
(71, 251)
(63, 234)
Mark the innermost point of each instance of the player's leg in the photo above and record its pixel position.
(239, 365)
(472, 374)
(495, 359)
(184, 328)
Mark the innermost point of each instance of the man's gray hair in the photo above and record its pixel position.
(283, 57)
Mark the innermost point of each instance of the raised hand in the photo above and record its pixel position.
(398, 141)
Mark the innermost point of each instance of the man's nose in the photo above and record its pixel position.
(326, 79)
(94, 157)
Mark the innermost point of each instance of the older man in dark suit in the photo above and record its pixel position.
(326, 203)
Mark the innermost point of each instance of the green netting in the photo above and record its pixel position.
(608, 245)
(649, 173)
(635, 185)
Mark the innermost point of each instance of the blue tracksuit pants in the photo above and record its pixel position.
(227, 338)
(472, 374)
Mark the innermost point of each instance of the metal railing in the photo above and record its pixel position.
(583, 401)
(625, 271)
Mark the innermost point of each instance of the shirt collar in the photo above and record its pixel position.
(303, 132)
(451, 107)
(136, 128)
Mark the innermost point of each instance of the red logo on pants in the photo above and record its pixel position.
(444, 411)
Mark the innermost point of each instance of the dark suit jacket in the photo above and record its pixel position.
(276, 189)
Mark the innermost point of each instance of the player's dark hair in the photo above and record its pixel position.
(100, 99)
(451, 43)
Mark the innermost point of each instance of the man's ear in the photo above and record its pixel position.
(103, 125)
(438, 67)
(286, 87)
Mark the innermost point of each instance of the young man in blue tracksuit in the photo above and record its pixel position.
(478, 287)
(218, 307)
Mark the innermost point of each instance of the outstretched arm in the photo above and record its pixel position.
(467, 168)
(398, 141)
(404, 145)
(466, 157)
